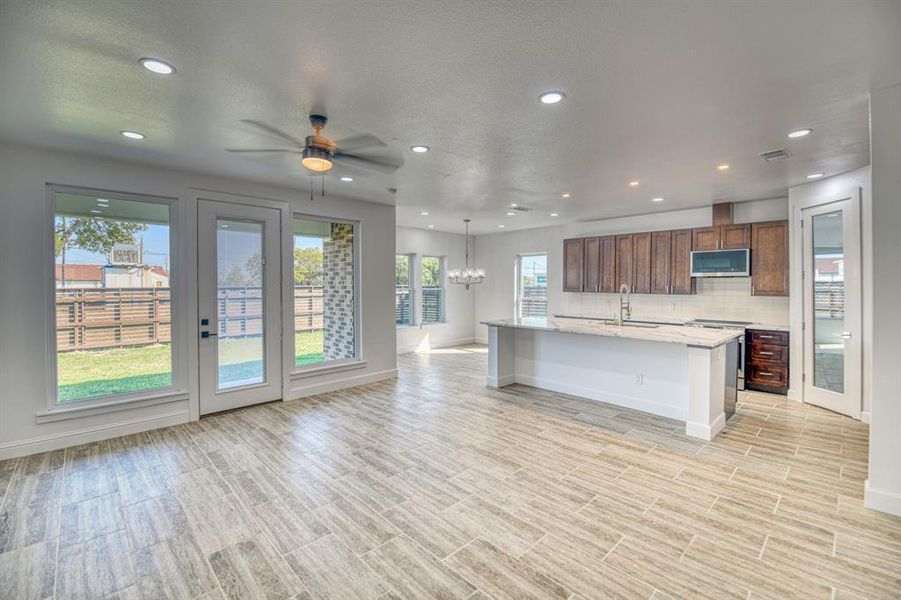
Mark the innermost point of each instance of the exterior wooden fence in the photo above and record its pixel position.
(92, 318)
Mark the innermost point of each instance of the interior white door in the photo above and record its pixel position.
(239, 301)
(832, 306)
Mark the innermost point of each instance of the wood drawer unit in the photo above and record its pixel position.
(766, 360)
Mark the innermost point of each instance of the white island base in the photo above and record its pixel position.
(636, 368)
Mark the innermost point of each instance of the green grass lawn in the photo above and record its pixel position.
(95, 373)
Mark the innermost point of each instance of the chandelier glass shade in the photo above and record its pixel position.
(466, 276)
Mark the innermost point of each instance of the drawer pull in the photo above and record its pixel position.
(766, 373)
(765, 337)
(766, 353)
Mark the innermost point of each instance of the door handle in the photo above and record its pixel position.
(207, 334)
(846, 335)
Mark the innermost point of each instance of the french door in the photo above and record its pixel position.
(238, 272)
(832, 306)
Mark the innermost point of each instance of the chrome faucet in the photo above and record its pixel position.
(624, 306)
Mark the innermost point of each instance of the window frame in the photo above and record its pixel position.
(412, 288)
(442, 285)
(357, 358)
(517, 282)
(178, 340)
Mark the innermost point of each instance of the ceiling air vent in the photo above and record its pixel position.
(771, 155)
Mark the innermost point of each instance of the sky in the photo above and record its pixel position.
(156, 249)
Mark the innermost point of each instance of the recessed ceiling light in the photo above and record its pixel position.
(511, 213)
(800, 133)
(722, 167)
(634, 183)
(656, 199)
(555, 214)
(96, 212)
(102, 201)
(565, 195)
(552, 97)
(419, 148)
(500, 226)
(513, 205)
(345, 178)
(431, 227)
(815, 175)
(157, 66)
(132, 135)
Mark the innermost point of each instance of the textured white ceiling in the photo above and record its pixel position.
(659, 92)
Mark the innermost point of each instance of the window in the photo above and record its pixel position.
(531, 285)
(325, 327)
(433, 309)
(113, 297)
(403, 296)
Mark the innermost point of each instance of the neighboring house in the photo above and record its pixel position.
(80, 276)
(110, 276)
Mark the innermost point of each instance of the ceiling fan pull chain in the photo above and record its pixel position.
(323, 185)
(311, 189)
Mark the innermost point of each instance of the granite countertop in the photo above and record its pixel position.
(672, 321)
(674, 334)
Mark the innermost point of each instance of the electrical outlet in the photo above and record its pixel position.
(639, 378)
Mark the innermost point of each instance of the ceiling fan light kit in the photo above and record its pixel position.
(466, 276)
(316, 159)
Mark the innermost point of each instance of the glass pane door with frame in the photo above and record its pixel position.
(832, 319)
(239, 305)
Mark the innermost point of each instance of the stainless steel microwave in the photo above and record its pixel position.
(721, 263)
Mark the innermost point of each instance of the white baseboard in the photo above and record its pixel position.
(610, 398)
(87, 435)
(888, 502)
(479, 340)
(445, 344)
(865, 416)
(706, 432)
(312, 389)
(499, 382)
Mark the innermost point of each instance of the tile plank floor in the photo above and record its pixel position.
(433, 486)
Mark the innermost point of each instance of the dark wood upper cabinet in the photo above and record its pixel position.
(769, 258)
(592, 264)
(573, 265)
(705, 238)
(721, 237)
(608, 264)
(623, 261)
(641, 263)
(735, 237)
(680, 266)
(661, 252)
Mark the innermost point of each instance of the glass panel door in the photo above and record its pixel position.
(241, 315)
(828, 301)
(832, 306)
(239, 305)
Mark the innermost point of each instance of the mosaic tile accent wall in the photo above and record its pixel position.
(338, 298)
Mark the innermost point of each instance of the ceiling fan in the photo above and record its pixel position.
(320, 153)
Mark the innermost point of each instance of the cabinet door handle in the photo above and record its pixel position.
(765, 337)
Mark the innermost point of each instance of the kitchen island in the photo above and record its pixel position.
(684, 373)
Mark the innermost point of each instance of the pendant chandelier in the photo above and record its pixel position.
(466, 276)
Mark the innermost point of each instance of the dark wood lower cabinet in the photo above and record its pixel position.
(766, 361)
(641, 263)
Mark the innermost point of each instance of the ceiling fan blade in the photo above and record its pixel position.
(385, 164)
(356, 142)
(286, 150)
(276, 132)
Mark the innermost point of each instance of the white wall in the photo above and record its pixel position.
(24, 223)
(832, 188)
(725, 299)
(883, 488)
(458, 328)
